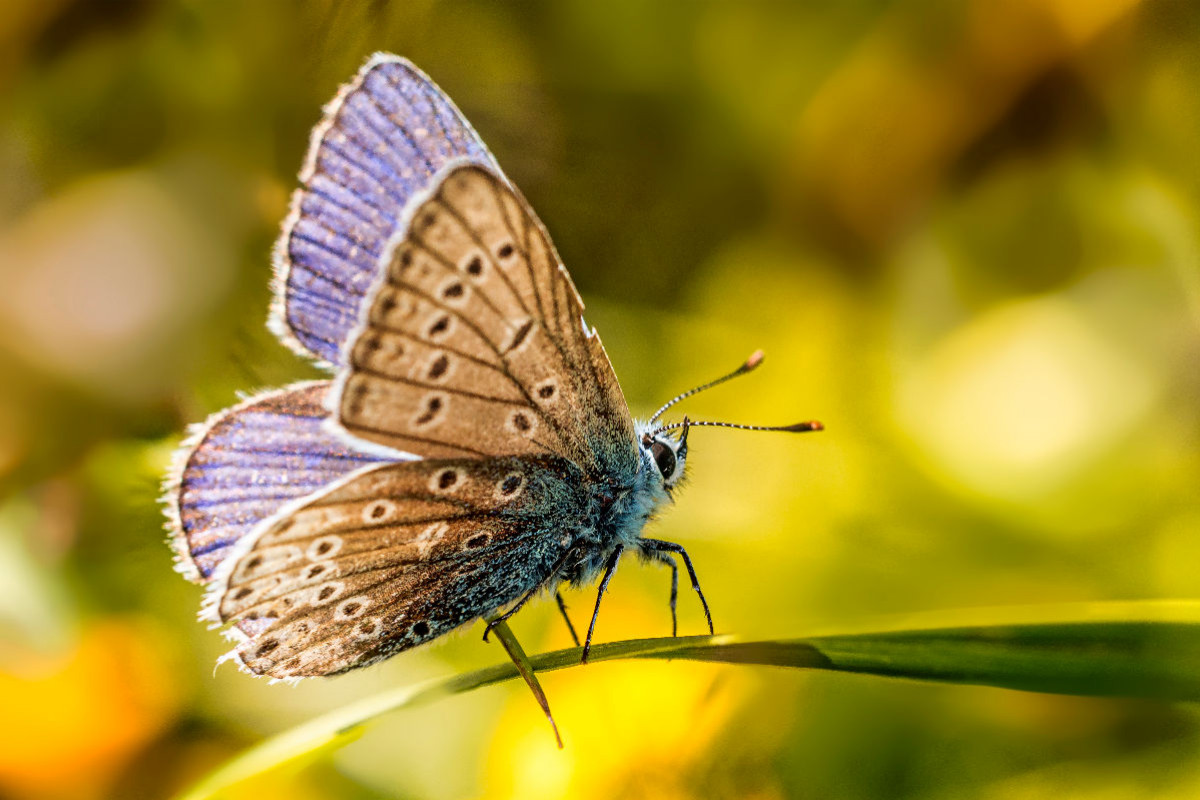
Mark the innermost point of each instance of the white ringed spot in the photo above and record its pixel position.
(378, 512)
(326, 592)
(324, 547)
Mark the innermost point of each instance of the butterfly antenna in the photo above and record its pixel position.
(753, 361)
(799, 427)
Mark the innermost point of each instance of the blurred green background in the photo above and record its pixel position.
(965, 233)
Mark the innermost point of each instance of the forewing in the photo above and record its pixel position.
(392, 558)
(244, 464)
(474, 341)
(382, 139)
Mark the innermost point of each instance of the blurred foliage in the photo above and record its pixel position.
(965, 233)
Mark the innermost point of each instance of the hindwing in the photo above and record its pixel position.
(392, 557)
(244, 464)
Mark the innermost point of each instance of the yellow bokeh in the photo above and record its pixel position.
(75, 719)
(638, 730)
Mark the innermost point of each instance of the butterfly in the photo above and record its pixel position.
(474, 447)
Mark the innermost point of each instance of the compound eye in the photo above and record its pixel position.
(664, 457)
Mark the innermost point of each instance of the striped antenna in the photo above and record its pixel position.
(753, 361)
(799, 427)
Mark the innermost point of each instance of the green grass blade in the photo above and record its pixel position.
(1149, 650)
(521, 662)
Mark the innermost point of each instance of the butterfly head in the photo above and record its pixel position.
(669, 455)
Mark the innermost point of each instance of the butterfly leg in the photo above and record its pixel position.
(610, 567)
(562, 609)
(664, 558)
(558, 565)
(661, 547)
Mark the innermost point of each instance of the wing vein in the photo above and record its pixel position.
(448, 265)
(474, 359)
(364, 173)
(386, 434)
(365, 370)
(553, 423)
(491, 257)
(404, 128)
(524, 251)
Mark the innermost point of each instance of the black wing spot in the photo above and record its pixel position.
(453, 291)
(439, 366)
(324, 547)
(243, 593)
(546, 391)
(432, 407)
(254, 563)
(479, 541)
(505, 250)
(447, 479)
(440, 326)
(349, 608)
(315, 570)
(406, 259)
(326, 593)
(510, 485)
(387, 304)
(520, 421)
(475, 266)
(266, 647)
(421, 629)
(520, 335)
(367, 627)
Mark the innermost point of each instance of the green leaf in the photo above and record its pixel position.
(1147, 650)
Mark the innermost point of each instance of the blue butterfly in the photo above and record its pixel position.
(474, 448)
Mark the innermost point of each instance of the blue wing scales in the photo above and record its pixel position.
(244, 464)
(382, 139)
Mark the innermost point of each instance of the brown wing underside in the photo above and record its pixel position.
(394, 557)
(474, 343)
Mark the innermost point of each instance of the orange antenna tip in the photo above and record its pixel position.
(754, 360)
(805, 427)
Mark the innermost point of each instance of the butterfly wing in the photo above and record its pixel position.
(473, 342)
(463, 341)
(244, 464)
(390, 558)
(382, 139)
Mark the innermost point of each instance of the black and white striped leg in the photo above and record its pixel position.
(610, 567)
(658, 546)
